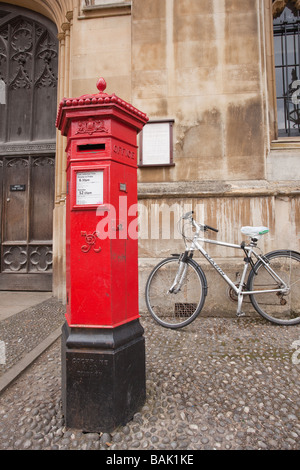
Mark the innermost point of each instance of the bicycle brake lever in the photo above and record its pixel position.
(188, 215)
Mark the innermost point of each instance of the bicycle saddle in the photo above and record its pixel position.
(254, 232)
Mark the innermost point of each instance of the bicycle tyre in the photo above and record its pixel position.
(279, 308)
(172, 310)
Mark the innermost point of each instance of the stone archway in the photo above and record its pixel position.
(28, 73)
(279, 5)
(55, 10)
(60, 12)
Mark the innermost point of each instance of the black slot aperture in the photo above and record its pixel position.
(90, 147)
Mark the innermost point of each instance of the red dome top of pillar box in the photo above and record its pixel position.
(101, 85)
(97, 100)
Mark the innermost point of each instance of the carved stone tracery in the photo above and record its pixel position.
(14, 258)
(46, 53)
(28, 42)
(38, 258)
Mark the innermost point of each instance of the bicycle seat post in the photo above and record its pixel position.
(253, 242)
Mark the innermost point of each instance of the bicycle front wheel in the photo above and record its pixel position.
(180, 307)
(281, 307)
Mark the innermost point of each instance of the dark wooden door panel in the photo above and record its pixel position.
(1, 198)
(28, 87)
(42, 198)
(15, 201)
(27, 208)
(18, 115)
(26, 282)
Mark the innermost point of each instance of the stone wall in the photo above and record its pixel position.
(226, 207)
(199, 64)
(208, 65)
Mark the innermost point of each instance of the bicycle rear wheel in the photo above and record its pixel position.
(282, 308)
(171, 309)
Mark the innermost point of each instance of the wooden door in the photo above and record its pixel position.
(28, 83)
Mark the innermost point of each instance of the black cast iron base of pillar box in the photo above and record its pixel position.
(103, 376)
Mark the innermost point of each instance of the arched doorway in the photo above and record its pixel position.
(28, 89)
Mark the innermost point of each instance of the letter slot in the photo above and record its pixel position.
(90, 147)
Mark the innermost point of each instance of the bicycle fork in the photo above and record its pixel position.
(180, 275)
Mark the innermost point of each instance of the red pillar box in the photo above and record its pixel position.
(103, 350)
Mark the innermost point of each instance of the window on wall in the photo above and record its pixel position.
(90, 3)
(156, 144)
(102, 8)
(287, 68)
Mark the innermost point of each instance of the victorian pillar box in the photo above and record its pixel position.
(103, 352)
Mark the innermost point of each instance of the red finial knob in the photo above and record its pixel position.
(101, 85)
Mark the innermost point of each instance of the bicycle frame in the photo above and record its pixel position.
(250, 250)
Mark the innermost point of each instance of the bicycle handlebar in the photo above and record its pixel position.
(189, 215)
(211, 228)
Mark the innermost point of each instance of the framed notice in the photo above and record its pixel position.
(89, 187)
(156, 144)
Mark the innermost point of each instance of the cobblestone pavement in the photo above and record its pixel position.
(23, 331)
(220, 383)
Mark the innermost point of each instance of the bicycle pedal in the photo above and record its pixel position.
(240, 314)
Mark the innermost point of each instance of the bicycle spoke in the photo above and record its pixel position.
(180, 306)
(293, 283)
(282, 307)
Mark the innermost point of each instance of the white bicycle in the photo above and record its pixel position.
(177, 286)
